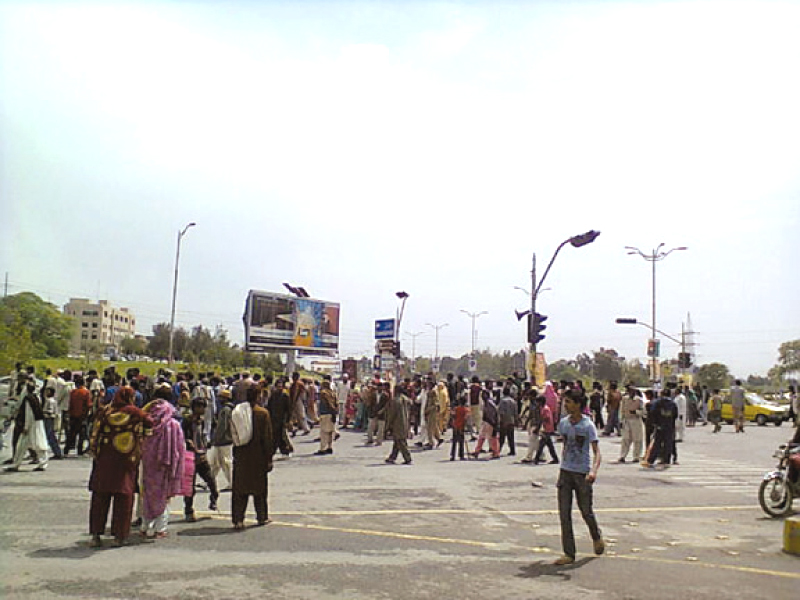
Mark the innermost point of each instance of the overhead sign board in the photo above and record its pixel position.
(384, 329)
(275, 322)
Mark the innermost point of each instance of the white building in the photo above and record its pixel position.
(99, 324)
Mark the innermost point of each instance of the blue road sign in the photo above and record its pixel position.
(384, 329)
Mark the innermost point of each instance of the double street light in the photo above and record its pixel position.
(658, 254)
(534, 319)
(474, 317)
(175, 293)
(437, 328)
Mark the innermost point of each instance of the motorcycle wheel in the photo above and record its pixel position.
(775, 497)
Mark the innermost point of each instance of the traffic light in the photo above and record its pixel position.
(535, 327)
(396, 349)
(684, 360)
(653, 348)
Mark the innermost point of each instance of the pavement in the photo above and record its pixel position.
(349, 526)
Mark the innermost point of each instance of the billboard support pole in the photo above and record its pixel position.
(291, 361)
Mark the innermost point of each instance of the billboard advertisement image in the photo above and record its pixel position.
(275, 322)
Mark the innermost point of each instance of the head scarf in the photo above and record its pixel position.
(124, 396)
(161, 412)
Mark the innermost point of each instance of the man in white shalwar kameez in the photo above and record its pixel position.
(33, 435)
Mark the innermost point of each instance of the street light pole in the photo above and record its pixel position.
(658, 254)
(577, 241)
(175, 293)
(414, 344)
(402, 296)
(474, 316)
(437, 328)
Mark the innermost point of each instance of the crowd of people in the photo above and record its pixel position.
(151, 438)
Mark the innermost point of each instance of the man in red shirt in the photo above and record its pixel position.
(80, 405)
(546, 433)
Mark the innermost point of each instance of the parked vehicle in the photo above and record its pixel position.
(779, 488)
(756, 409)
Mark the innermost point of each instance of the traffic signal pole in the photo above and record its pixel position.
(531, 325)
(535, 321)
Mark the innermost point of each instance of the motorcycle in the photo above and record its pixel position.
(779, 488)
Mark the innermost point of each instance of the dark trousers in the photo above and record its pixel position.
(400, 446)
(282, 442)
(597, 416)
(570, 482)
(76, 434)
(507, 433)
(52, 440)
(120, 518)
(546, 439)
(663, 446)
(202, 468)
(239, 507)
(612, 424)
(457, 443)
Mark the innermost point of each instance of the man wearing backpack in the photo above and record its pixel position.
(252, 459)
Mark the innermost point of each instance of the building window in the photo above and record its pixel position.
(84, 324)
(105, 313)
(94, 325)
(94, 336)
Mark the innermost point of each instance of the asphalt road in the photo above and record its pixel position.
(348, 526)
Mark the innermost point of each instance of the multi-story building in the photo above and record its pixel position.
(99, 324)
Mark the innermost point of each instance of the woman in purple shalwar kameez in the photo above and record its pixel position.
(162, 467)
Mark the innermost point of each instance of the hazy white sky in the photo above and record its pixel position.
(361, 148)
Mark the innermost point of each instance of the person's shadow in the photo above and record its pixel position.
(541, 569)
(206, 531)
(81, 550)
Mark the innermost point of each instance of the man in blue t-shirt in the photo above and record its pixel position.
(578, 474)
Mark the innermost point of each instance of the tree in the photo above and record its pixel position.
(607, 365)
(636, 373)
(132, 345)
(715, 375)
(158, 343)
(563, 370)
(15, 340)
(49, 330)
(788, 358)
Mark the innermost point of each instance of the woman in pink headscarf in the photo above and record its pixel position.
(551, 400)
(162, 467)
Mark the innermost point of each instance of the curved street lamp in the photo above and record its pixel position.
(536, 288)
(175, 293)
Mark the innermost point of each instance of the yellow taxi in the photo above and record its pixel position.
(756, 410)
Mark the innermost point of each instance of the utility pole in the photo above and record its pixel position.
(175, 292)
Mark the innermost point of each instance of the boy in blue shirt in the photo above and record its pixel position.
(578, 474)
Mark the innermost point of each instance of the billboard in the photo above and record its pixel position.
(275, 322)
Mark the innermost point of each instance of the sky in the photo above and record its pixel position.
(363, 148)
